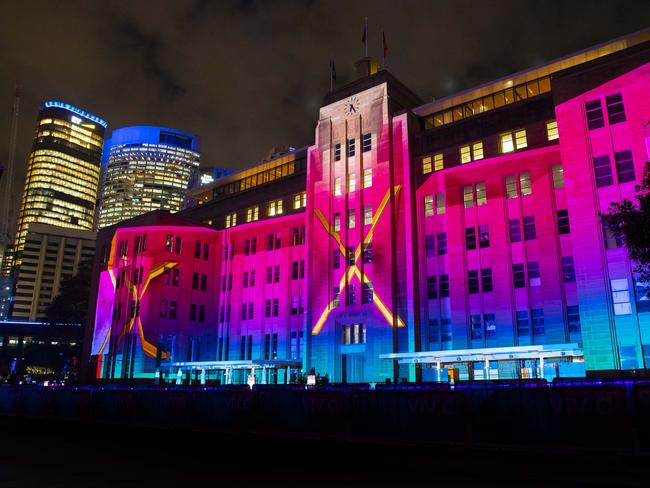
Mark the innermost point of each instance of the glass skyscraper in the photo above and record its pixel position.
(146, 168)
(63, 170)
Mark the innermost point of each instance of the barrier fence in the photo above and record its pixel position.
(603, 417)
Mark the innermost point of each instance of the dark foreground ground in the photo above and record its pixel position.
(39, 453)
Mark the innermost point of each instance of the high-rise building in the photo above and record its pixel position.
(51, 254)
(63, 171)
(460, 239)
(146, 168)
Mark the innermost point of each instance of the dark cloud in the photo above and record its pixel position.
(249, 75)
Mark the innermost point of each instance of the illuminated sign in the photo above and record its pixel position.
(73, 109)
(206, 179)
(76, 120)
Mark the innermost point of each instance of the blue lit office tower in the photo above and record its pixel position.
(146, 168)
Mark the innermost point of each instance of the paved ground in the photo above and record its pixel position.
(38, 454)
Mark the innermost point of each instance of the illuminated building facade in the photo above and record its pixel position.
(146, 168)
(51, 255)
(455, 239)
(63, 170)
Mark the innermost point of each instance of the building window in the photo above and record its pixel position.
(538, 321)
(442, 243)
(367, 296)
(177, 245)
(615, 108)
(524, 183)
(444, 286)
(351, 219)
(267, 309)
(276, 273)
(594, 111)
(468, 196)
(245, 280)
(337, 152)
(193, 309)
(427, 166)
(294, 270)
(275, 208)
(471, 152)
(573, 318)
(231, 220)
(612, 240)
(175, 277)
(624, 166)
(300, 200)
(366, 142)
(352, 294)
(533, 273)
(367, 178)
(169, 243)
(195, 281)
(367, 253)
(351, 147)
(486, 279)
(438, 162)
(515, 230)
(603, 170)
(483, 236)
(476, 326)
(252, 214)
(523, 325)
(432, 287)
(558, 176)
(354, 334)
(490, 325)
(197, 250)
(511, 187)
(337, 222)
(621, 297)
(472, 281)
(336, 259)
(470, 238)
(244, 311)
(481, 194)
(513, 140)
(529, 228)
(337, 186)
(568, 269)
(336, 296)
(428, 205)
(430, 245)
(276, 307)
(352, 183)
(367, 215)
(172, 309)
(440, 203)
(552, 133)
(518, 275)
(247, 247)
(563, 222)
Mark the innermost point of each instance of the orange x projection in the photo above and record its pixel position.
(352, 269)
(148, 348)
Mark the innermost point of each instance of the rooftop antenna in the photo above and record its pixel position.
(8, 180)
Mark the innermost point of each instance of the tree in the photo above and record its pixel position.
(71, 304)
(629, 220)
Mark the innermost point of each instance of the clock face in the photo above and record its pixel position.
(351, 106)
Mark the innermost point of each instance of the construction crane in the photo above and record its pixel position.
(6, 184)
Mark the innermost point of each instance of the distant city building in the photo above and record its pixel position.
(202, 177)
(63, 171)
(51, 255)
(146, 168)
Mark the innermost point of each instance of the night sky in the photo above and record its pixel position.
(247, 76)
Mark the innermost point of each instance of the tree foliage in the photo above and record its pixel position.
(71, 304)
(630, 221)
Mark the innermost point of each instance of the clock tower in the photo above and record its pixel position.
(359, 206)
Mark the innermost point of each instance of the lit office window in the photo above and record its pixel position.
(426, 165)
(428, 205)
(438, 162)
(551, 130)
(231, 220)
(337, 222)
(275, 208)
(465, 154)
(511, 187)
(300, 200)
(352, 182)
(252, 214)
(337, 186)
(477, 151)
(367, 178)
(513, 140)
(506, 143)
